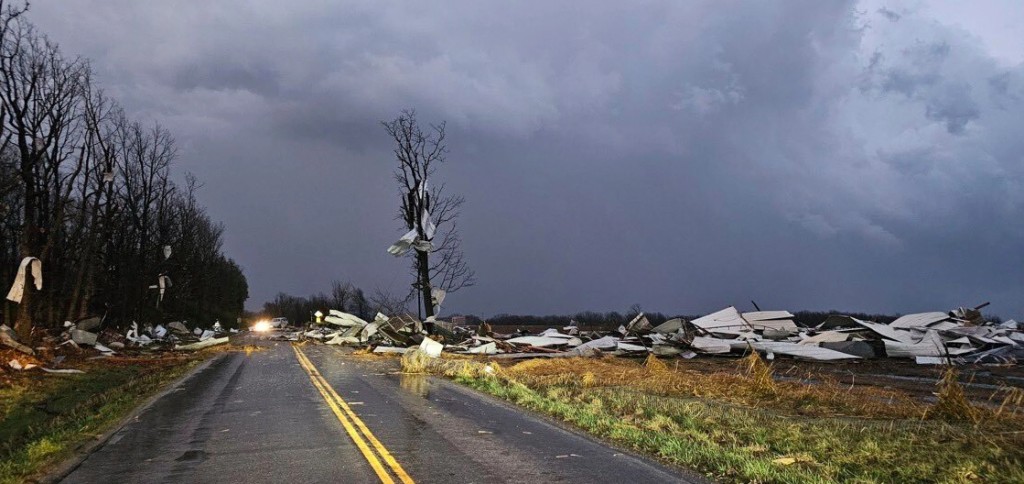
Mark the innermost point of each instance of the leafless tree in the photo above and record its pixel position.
(383, 300)
(41, 92)
(425, 208)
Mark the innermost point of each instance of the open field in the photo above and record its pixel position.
(737, 420)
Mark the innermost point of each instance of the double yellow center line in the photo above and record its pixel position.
(372, 449)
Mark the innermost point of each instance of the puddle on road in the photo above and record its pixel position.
(192, 456)
(418, 385)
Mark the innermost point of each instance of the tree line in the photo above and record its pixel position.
(587, 320)
(343, 296)
(89, 192)
(611, 320)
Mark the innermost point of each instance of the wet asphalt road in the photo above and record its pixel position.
(259, 418)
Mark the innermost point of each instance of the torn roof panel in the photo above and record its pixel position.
(834, 321)
(705, 344)
(889, 332)
(776, 324)
(919, 320)
(930, 345)
(802, 351)
(543, 341)
(839, 321)
(727, 321)
(825, 337)
(344, 319)
(767, 315)
(670, 326)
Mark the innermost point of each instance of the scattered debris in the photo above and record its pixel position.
(203, 344)
(431, 348)
(15, 364)
(18, 288)
(83, 337)
(957, 337)
(8, 338)
(89, 324)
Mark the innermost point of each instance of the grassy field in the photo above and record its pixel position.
(44, 418)
(746, 426)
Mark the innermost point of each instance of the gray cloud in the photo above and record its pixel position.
(683, 155)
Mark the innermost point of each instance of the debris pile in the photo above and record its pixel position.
(88, 339)
(960, 336)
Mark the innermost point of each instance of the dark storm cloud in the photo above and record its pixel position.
(683, 155)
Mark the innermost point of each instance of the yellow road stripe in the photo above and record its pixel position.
(360, 443)
(377, 445)
(383, 451)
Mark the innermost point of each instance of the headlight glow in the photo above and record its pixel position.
(261, 326)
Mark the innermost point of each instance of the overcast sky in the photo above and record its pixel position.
(683, 155)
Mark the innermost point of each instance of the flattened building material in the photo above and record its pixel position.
(930, 345)
(825, 337)
(704, 344)
(890, 333)
(666, 350)
(606, 343)
(8, 338)
(776, 320)
(484, 349)
(631, 347)
(862, 349)
(918, 320)
(203, 344)
(544, 341)
(670, 326)
(342, 319)
(801, 351)
(885, 331)
(726, 322)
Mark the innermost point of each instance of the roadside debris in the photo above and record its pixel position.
(89, 339)
(28, 264)
(9, 339)
(203, 344)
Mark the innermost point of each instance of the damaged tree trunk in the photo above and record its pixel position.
(30, 243)
(423, 269)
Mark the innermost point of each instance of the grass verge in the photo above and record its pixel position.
(744, 426)
(44, 418)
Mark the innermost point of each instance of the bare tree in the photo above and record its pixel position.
(386, 302)
(428, 213)
(42, 95)
(89, 193)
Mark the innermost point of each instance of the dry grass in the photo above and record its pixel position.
(952, 403)
(415, 361)
(745, 425)
(654, 365)
(753, 385)
(760, 374)
(1011, 400)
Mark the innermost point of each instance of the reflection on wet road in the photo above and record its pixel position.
(276, 416)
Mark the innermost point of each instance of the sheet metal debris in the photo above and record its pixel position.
(18, 288)
(957, 336)
(9, 339)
